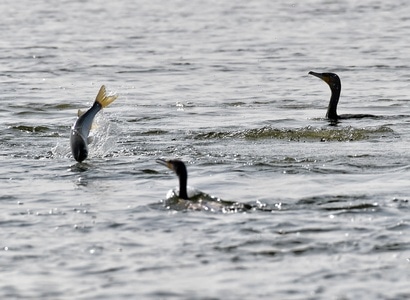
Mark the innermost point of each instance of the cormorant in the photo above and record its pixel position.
(180, 170)
(335, 86)
(199, 201)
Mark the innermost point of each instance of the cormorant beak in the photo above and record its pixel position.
(321, 76)
(165, 163)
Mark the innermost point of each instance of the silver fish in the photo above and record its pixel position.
(80, 130)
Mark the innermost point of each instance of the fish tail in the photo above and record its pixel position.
(103, 99)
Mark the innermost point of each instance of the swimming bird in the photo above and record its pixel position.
(200, 200)
(79, 139)
(335, 86)
(180, 170)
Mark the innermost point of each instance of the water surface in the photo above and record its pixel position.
(224, 87)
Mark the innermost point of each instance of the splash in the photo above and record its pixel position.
(103, 135)
(302, 134)
(103, 138)
(199, 201)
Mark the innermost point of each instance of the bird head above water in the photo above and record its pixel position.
(207, 203)
(175, 165)
(335, 86)
(180, 170)
(330, 78)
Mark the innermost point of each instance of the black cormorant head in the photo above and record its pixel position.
(175, 165)
(330, 78)
(179, 168)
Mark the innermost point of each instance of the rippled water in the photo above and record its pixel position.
(222, 85)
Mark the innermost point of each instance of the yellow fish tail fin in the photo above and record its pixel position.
(103, 99)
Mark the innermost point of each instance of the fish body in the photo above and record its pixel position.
(79, 138)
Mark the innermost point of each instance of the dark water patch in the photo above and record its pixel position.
(288, 165)
(166, 294)
(400, 226)
(295, 244)
(153, 132)
(300, 134)
(104, 271)
(342, 203)
(392, 247)
(225, 69)
(16, 223)
(136, 37)
(237, 104)
(116, 225)
(42, 47)
(296, 106)
(81, 167)
(149, 171)
(33, 129)
(307, 229)
(143, 119)
(361, 207)
(401, 203)
(371, 164)
(37, 108)
(62, 106)
(315, 248)
(154, 268)
(6, 198)
(139, 70)
(320, 200)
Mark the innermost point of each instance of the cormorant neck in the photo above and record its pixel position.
(183, 178)
(334, 99)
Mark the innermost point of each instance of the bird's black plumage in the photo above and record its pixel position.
(179, 168)
(205, 201)
(335, 87)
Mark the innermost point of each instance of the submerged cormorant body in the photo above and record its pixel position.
(180, 170)
(199, 201)
(335, 87)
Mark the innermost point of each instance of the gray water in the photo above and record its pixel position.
(222, 85)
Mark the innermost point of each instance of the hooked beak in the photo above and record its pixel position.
(164, 163)
(319, 75)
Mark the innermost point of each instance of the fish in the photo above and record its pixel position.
(79, 134)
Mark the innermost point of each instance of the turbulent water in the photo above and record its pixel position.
(223, 86)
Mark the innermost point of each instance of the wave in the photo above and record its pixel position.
(308, 133)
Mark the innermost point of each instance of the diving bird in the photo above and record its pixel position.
(79, 138)
(335, 86)
(179, 168)
(199, 201)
